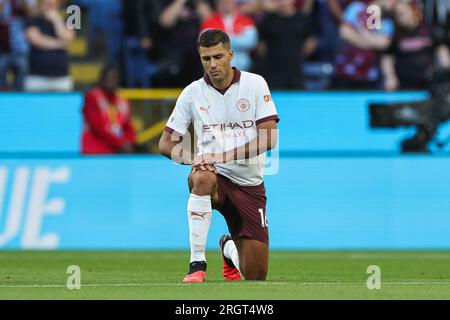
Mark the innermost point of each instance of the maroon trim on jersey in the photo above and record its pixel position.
(236, 78)
(269, 118)
(170, 130)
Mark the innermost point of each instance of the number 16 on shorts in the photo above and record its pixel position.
(263, 218)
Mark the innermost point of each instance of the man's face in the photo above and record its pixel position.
(110, 81)
(388, 5)
(226, 6)
(285, 4)
(405, 16)
(216, 61)
(48, 5)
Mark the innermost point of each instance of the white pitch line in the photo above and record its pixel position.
(383, 283)
(132, 285)
(100, 285)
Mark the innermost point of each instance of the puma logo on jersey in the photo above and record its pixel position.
(205, 109)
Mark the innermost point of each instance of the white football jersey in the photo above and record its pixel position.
(227, 119)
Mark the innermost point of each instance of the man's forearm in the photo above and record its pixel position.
(374, 40)
(177, 154)
(363, 38)
(443, 56)
(246, 151)
(42, 41)
(378, 42)
(387, 64)
(266, 140)
(62, 32)
(170, 15)
(352, 36)
(252, 149)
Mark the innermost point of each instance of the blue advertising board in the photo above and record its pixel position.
(140, 203)
(314, 121)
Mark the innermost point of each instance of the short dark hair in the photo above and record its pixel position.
(213, 37)
(107, 69)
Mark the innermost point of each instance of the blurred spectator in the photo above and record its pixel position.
(331, 17)
(49, 38)
(437, 17)
(337, 7)
(178, 62)
(409, 61)
(305, 6)
(240, 28)
(357, 57)
(13, 43)
(107, 121)
(257, 8)
(105, 19)
(286, 39)
(140, 23)
(329, 32)
(437, 13)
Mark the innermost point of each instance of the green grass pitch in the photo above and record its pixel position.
(158, 274)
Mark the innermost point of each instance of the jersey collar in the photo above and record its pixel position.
(236, 78)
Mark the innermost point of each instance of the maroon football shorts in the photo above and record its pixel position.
(244, 209)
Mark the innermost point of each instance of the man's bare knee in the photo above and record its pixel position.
(203, 182)
(255, 274)
(253, 258)
(254, 270)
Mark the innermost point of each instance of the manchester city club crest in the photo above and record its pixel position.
(243, 105)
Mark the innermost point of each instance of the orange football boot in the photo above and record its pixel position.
(197, 272)
(230, 272)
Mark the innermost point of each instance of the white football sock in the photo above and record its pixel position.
(230, 252)
(199, 216)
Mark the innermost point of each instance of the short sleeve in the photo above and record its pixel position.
(392, 49)
(32, 3)
(351, 14)
(387, 27)
(33, 22)
(265, 107)
(181, 116)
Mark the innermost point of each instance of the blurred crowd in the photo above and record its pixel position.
(33, 45)
(294, 44)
